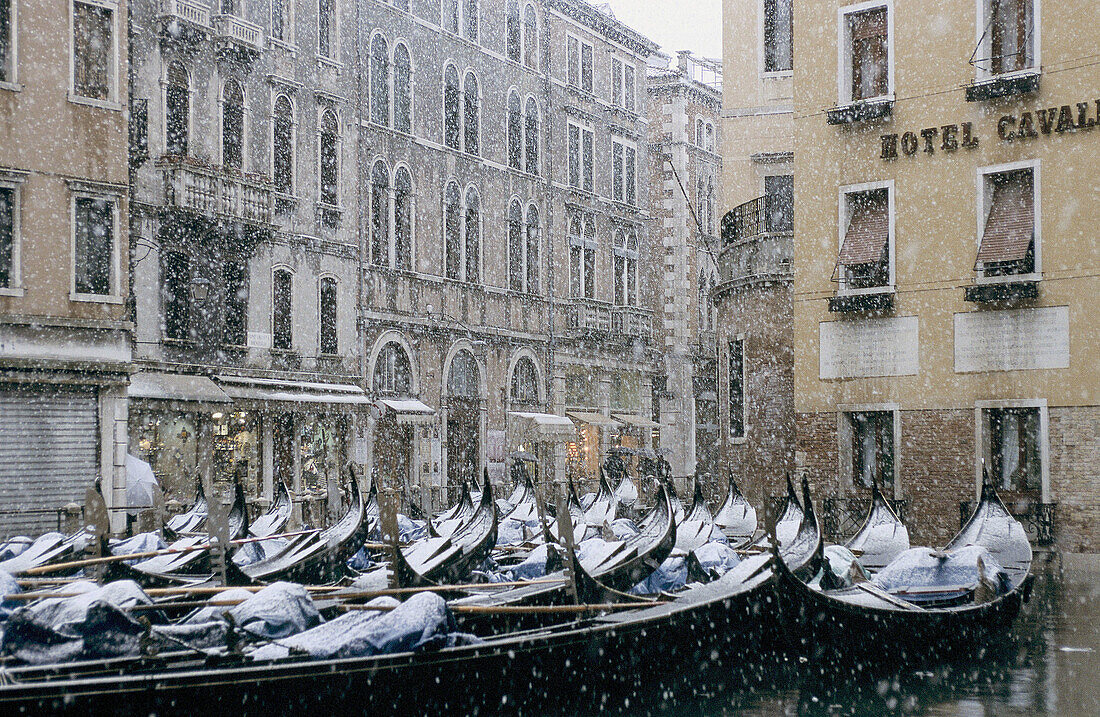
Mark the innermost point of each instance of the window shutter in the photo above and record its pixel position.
(868, 230)
(1011, 222)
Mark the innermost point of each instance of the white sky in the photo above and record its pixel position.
(694, 25)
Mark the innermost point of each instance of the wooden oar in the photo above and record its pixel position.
(522, 609)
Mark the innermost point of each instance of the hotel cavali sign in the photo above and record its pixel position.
(1010, 128)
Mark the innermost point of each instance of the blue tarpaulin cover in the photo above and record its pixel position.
(923, 567)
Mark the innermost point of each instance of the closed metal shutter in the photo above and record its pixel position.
(48, 454)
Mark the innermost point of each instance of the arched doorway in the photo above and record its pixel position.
(393, 441)
(463, 417)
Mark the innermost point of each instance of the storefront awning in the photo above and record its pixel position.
(406, 410)
(262, 389)
(175, 387)
(538, 427)
(593, 419)
(635, 420)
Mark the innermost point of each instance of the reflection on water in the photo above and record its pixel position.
(1049, 664)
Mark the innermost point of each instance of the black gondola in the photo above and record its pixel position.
(696, 527)
(603, 508)
(192, 520)
(736, 518)
(882, 536)
(274, 520)
(892, 628)
(525, 503)
(449, 559)
(457, 515)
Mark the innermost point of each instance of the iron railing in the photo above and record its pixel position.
(1038, 518)
(763, 215)
(842, 516)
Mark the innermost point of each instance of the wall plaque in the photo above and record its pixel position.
(1012, 340)
(869, 347)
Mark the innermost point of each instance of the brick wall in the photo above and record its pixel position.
(1075, 477)
(936, 471)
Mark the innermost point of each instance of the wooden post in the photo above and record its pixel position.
(98, 523)
(218, 526)
(565, 531)
(389, 502)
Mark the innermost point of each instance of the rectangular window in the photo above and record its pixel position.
(623, 173)
(735, 381)
(872, 448)
(625, 268)
(9, 238)
(176, 281)
(326, 28)
(1010, 30)
(235, 276)
(631, 166)
(281, 20)
(573, 61)
(94, 246)
(586, 67)
(1013, 447)
(778, 33)
(93, 50)
(587, 162)
(616, 81)
(867, 34)
(329, 343)
(779, 202)
(580, 157)
(629, 88)
(1008, 245)
(281, 308)
(7, 42)
(864, 259)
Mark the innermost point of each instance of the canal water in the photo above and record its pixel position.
(1048, 665)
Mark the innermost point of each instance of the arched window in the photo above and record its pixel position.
(512, 31)
(530, 37)
(464, 379)
(392, 371)
(471, 112)
(699, 132)
(451, 19)
(469, 12)
(282, 145)
(531, 135)
(582, 256)
(525, 382)
(380, 214)
(330, 344)
(402, 89)
(379, 81)
(402, 219)
(282, 306)
(177, 110)
(532, 257)
(515, 132)
(452, 231)
(515, 246)
(473, 236)
(176, 281)
(233, 125)
(626, 267)
(451, 101)
(330, 158)
(326, 28)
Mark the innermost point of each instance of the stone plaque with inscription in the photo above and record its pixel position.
(869, 347)
(1012, 340)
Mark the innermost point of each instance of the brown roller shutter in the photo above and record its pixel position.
(868, 229)
(1010, 225)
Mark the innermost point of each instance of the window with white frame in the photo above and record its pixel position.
(513, 33)
(327, 32)
(1009, 244)
(282, 306)
(391, 232)
(866, 56)
(710, 137)
(623, 84)
(94, 50)
(581, 161)
(7, 41)
(95, 246)
(865, 260)
(472, 237)
(779, 202)
(452, 231)
(329, 159)
(778, 36)
(471, 113)
(462, 233)
(282, 20)
(579, 62)
(1012, 445)
(402, 89)
(326, 301)
(177, 110)
(735, 387)
(699, 124)
(235, 278)
(392, 371)
(460, 17)
(9, 236)
(870, 447)
(625, 265)
(233, 125)
(1008, 36)
(452, 16)
(624, 166)
(452, 102)
(379, 81)
(523, 248)
(282, 145)
(525, 383)
(582, 255)
(470, 19)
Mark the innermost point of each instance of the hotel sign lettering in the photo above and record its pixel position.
(1010, 128)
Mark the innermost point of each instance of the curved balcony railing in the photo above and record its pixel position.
(757, 239)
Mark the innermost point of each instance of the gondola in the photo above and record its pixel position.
(892, 628)
(274, 520)
(457, 515)
(790, 519)
(316, 557)
(525, 503)
(192, 520)
(882, 536)
(678, 511)
(696, 527)
(736, 518)
(48, 549)
(450, 559)
(576, 517)
(603, 508)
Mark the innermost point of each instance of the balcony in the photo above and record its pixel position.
(215, 193)
(589, 317)
(190, 13)
(632, 322)
(843, 516)
(238, 35)
(756, 243)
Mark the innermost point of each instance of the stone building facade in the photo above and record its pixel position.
(64, 332)
(685, 174)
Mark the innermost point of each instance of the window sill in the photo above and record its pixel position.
(329, 62)
(776, 74)
(289, 353)
(1009, 85)
(95, 298)
(91, 102)
(11, 86)
(1008, 292)
(861, 111)
(282, 45)
(880, 302)
(180, 343)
